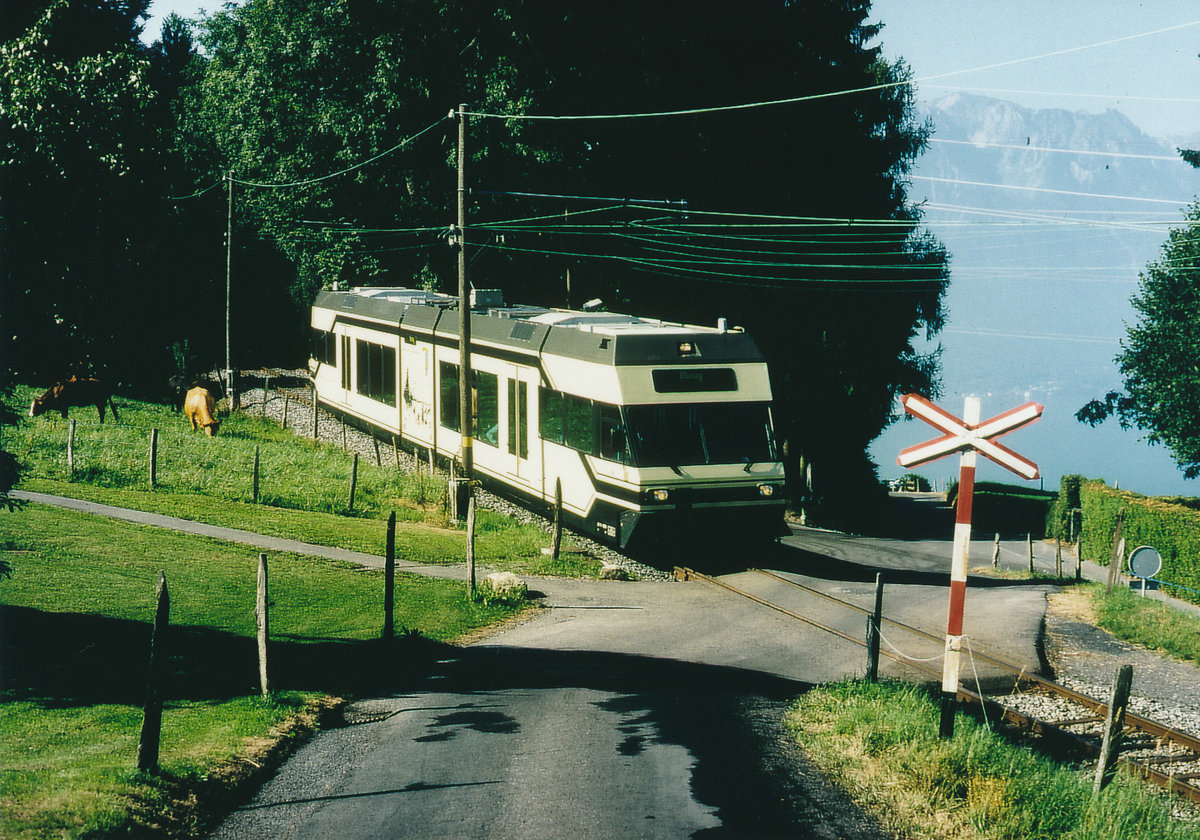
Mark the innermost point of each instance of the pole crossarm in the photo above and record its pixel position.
(961, 436)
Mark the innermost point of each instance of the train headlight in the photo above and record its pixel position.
(660, 495)
(766, 490)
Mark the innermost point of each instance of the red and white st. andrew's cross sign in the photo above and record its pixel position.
(968, 436)
(962, 435)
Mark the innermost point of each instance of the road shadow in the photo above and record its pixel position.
(740, 760)
(68, 659)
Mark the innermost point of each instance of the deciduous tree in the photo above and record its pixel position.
(1160, 354)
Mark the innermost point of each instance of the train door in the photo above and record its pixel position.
(516, 412)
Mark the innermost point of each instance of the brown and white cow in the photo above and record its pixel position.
(200, 408)
(74, 392)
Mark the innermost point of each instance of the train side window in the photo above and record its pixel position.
(324, 347)
(448, 382)
(487, 407)
(346, 362)
(518, 418)
(376, 371)
(580, 423)
(614, 443)
(550, 415)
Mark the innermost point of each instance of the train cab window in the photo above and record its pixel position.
(700, 433)
(614, 443)
(518, 418)
(550, 415)
(448, 385)
(487, 407)
(579, 423)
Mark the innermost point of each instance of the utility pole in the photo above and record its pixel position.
(228, 288)
(466, 417)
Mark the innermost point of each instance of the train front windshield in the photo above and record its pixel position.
(700, 433)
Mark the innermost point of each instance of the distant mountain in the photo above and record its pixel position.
(1046, 247)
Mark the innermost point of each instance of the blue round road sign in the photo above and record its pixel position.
(1145, 562)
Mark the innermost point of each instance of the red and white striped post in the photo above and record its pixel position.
(969, 437)
(958, 573)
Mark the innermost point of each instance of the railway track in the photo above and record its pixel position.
(1052, 712)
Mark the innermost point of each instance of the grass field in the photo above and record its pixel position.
(880, 743)
(76, 616)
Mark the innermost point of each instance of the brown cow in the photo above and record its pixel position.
(74, 392)
(200, 408)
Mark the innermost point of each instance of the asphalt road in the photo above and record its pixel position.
(624, 710)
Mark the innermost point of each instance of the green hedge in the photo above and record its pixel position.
(1010, 510)
(1165, 524)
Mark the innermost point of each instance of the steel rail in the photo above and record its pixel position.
(1179, 784)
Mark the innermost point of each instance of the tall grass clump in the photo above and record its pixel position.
(880, 742)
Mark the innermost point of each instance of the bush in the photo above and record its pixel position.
(1008, 508)
(1171, 528)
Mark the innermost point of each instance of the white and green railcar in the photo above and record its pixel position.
(658, 432)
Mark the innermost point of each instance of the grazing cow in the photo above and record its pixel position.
(200, 408)
(74, 392)
(180, 384)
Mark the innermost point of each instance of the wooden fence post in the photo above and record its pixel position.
(471, 537)
(396, 452)
(1114, 723)
(262, 611)
(153, 458)
(71, 450)
(1118, 551)
(286, 401)
(557, 543)
(353, 478)
(389, 579)
(1058, 569)
(1029, 547)
(147, 751)
(873, 627)
(314, 414)
(255, 489)
(996, 552)
(378, 459)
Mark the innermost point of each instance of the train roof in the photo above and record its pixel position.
(605, 337)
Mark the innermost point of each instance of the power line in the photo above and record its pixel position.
(1027, 148)
(340, 172)
(961, 182)
(1109, 96)
(829, 94)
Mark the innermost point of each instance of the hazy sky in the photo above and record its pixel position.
(1153, 79)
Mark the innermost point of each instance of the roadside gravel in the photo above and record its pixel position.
(1086, 659)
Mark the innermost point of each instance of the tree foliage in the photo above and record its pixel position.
(1160, 354)
(796, 224)
(835, 304)
(85, 229)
